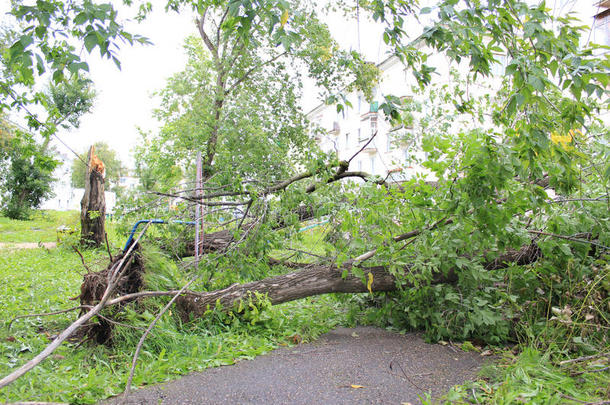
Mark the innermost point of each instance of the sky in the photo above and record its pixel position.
(125, 99)
(125, 103)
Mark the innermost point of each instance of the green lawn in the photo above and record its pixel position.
(42, 280)
(41, 228)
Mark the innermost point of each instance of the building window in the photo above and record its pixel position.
(388, 143)
(373, 124)
(359, 104)
(360, 135)
(372, 164)
(601, 33)
(360, 165)
(347, 140)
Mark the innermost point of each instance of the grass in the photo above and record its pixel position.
(311, 238)
(532, 377)
(41, 228)
(41, 280)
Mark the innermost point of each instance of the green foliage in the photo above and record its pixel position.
(27, 179)
(533, 377)
(70, 99)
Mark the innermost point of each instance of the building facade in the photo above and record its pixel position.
(396, 151)
(348, 131)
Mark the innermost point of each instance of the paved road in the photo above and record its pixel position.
(391, 368)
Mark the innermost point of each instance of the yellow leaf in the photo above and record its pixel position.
(370, 283)
(284, 18)
(357, 386)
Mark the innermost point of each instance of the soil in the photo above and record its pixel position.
(363, 365)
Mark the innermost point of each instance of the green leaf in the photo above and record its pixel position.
(536, 83)
(91, 41)
(75, 67)
(25, 41)
(58, 76)
(40, 64)
(80, 18)
(512, 106)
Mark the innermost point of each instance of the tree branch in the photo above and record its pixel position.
(570, 238)
(252, 70)
(66, 333)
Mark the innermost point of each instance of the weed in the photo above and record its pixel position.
(34, 281)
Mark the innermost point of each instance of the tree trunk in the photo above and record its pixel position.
(317, 279)
(310, 280)
(93, 204)
(219, 240)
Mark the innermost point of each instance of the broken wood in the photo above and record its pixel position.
(93, 203)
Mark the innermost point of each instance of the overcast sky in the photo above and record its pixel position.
(125, 101)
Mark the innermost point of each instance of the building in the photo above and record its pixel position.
(67, 198)
(348, 131)
(396, 151)
(600, 33)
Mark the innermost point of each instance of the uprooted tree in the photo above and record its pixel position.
(455, 253)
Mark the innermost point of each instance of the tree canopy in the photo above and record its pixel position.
(517, 215)
(26, 173)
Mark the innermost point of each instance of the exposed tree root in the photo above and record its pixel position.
(95, 284)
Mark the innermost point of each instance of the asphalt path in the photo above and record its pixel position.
(363, 365)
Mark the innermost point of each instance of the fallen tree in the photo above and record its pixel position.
(317, 279)
(308, 280)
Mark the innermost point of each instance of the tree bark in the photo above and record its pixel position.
(308, 281)
(317, 279)
(93, 206)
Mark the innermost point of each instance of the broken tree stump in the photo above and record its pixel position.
(93, 204)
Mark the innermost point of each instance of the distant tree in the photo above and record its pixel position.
(114, 167)
(26, 158)
(27, 175)
(237, 99)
